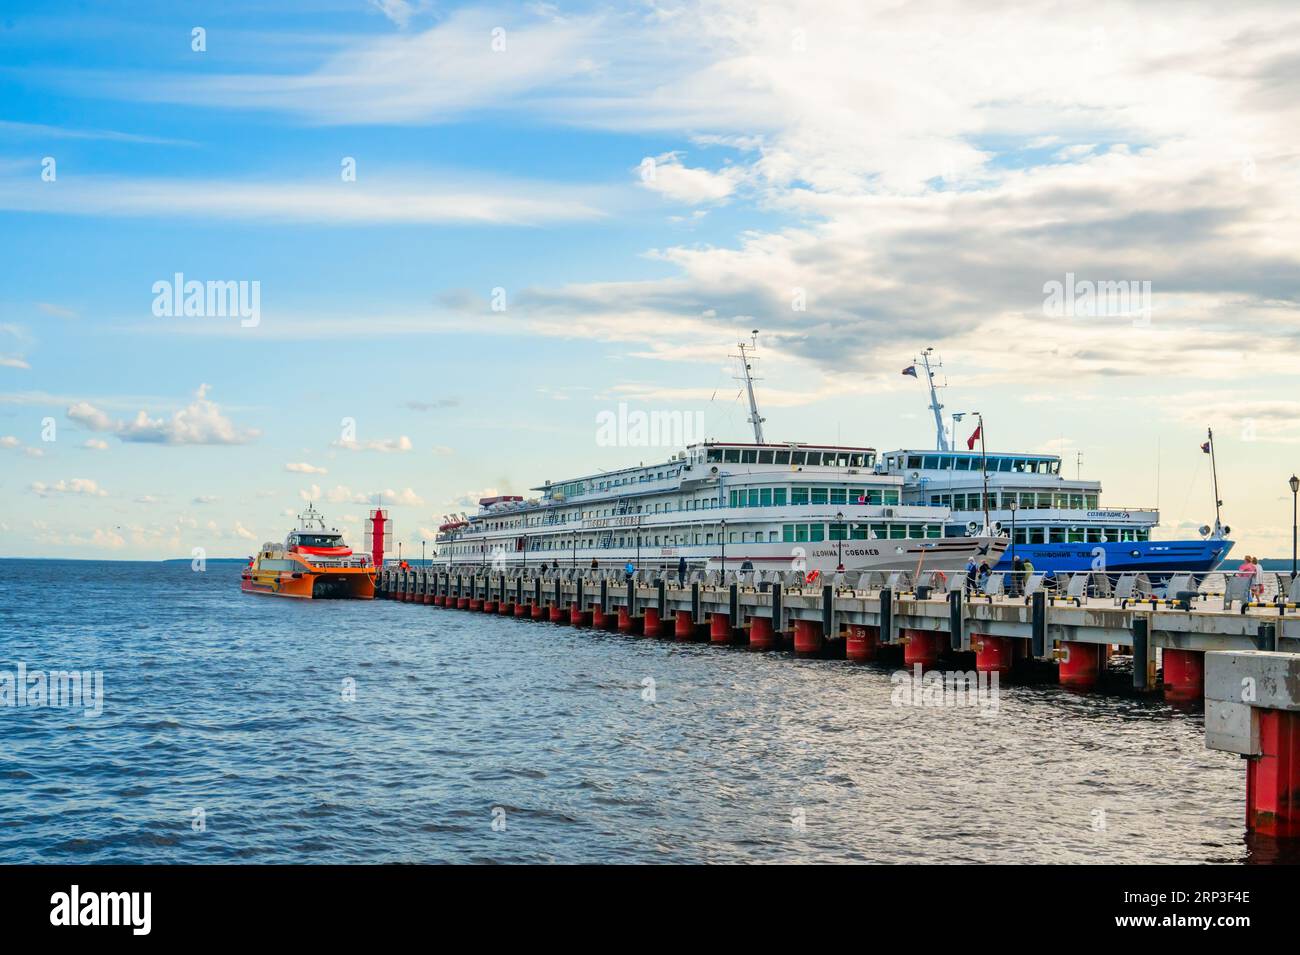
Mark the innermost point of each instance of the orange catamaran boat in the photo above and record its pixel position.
(313, 563)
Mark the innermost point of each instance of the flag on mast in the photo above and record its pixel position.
(910, 370)
(1206, 447)
(970, 442)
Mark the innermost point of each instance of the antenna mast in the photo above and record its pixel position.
(754, 417)
(935, 405)
(1214, 476)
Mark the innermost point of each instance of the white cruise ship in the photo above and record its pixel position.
(721, 505)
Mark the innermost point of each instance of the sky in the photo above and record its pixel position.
(465, 232)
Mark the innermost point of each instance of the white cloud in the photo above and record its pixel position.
(95, 444)
(9, 441)
(666, 175)
(199, 422)
(82, 486)
(58, 311)
(302, 467)
(345, 495)
(386, 445)
(433, 75)
(392, 197)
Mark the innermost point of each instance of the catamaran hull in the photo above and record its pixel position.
(351, 585)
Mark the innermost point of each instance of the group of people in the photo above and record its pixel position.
(1250, 570)
(977, 575)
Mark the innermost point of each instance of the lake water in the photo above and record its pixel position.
(241, 728)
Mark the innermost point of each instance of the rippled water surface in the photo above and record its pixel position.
(233, 704)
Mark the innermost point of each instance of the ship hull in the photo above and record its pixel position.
(949, 554)
(1157, 559)
(311, 585)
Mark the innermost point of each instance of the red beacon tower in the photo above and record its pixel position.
(379, 535)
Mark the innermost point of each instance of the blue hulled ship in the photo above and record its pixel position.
(1057, 523)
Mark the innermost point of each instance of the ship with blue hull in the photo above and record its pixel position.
(1058, 524)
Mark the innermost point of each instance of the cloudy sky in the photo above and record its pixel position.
(475, 228)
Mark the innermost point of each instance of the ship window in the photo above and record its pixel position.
(1143, 533)
(913, 460)
(749, 457)
(798, 495)
(798, 457)
(765, 497)
(1094, 535)
(778, 496)
(787, 533)
(714, 455)
(897, 531)
(879, 531)
(1090, 500)
(1021, 536)
(963, 464)
(782, 457)
(1038, 535)
(731, 537)
(819, 495)
(1044, 500)
(839, 532)
(1074, 535)
(764, 457)
(731, 456)
(708, 538)
(931, 462)
(855, 460)
(1056, 535)
(815, 459)
(816, 532)
(1112, 534)
(1004, 464)
(839, 495)
(891, 497)
(1076, 501)
(753, 497)
(801, 532)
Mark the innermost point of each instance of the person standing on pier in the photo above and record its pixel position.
(629, 569)
(972, 570)
(681, 571)
(1250, 570)
(1017, 575)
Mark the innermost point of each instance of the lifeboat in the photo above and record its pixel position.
(314, 563)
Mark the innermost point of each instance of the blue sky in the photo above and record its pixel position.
(916, 173)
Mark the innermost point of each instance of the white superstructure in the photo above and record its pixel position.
(720, 504)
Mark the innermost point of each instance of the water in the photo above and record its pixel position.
(233, 704)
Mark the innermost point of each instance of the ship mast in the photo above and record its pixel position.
(935, 405)
(754, 417)
(1214, 477)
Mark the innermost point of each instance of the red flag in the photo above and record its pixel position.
(970, 442)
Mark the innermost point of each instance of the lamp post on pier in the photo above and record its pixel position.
(1295, 489)
(723, 537)
(839, 543)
